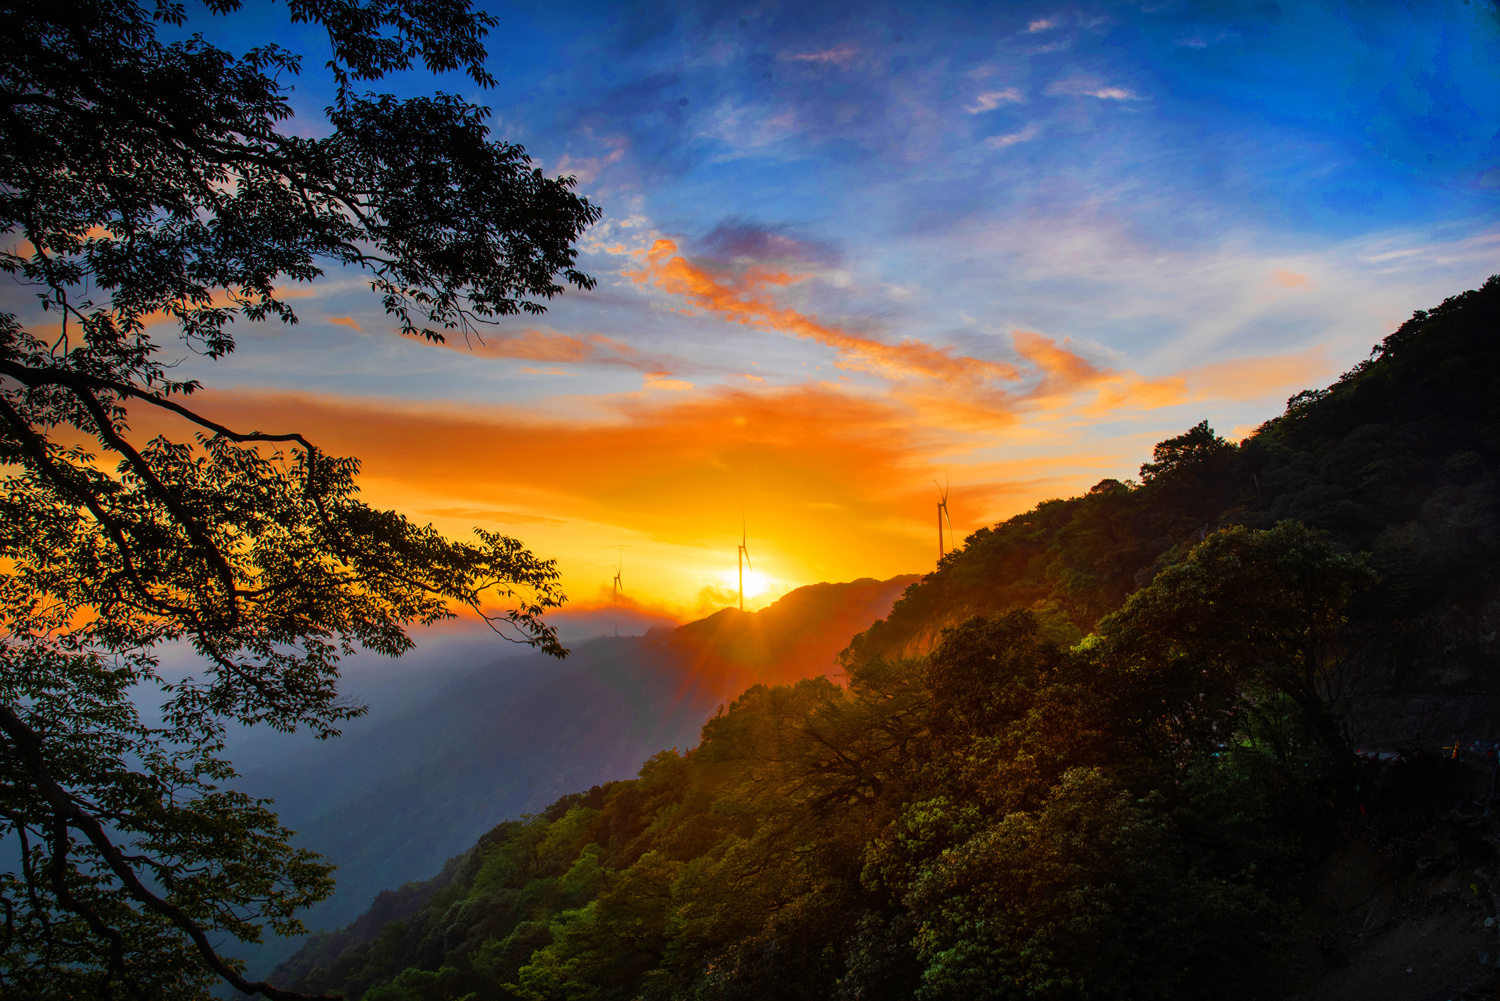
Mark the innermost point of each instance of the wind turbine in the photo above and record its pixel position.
(618, 567)
(618, 587)
(942, 515)
(742, 557)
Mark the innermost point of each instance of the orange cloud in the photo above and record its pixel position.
(835, 484)
(346, 321)
(740, 298)
(659, 380)
(1129, 391)
(1287, 279)
(949, 389)
(1237, 379)
(1065, 373)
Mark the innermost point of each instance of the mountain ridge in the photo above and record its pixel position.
(513, 736)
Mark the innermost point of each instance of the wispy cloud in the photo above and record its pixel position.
(1089, 87)
(1066, 373)
(838, 55)
(1027, 134)
(1041, 24)
(741, 240)
(660, 380)
(992, 99)
(749, 126)
(1203, 39)
(588, 168)
(946, 387)
(1258, 378)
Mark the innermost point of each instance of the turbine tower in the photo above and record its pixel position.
(742, 557)
(942, 515)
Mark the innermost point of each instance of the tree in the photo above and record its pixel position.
(1091, 895)
(1246, 619)
(146, 185)
(1195, 448)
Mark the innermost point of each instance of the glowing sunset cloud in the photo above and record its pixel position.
(742, 300)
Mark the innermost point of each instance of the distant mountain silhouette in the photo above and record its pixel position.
(393, 804)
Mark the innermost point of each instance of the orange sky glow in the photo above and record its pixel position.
(836, 483)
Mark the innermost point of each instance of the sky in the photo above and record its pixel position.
(846, 257)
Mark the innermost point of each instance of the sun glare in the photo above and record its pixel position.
(756, 583)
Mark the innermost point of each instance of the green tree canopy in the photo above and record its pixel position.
(1196, 447)
(144, 181)
(1246, 616)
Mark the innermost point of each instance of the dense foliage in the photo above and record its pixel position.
(1006, 818)
(150, 192)
(1087, 757)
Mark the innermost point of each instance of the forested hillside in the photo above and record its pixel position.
(1398, 458)
(511, 737)
(1103, 751)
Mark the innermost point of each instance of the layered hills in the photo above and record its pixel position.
(393, 803)
(1110, 748)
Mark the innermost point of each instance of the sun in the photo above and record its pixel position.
(756, 583)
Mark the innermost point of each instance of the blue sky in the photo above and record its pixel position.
(845, 252)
